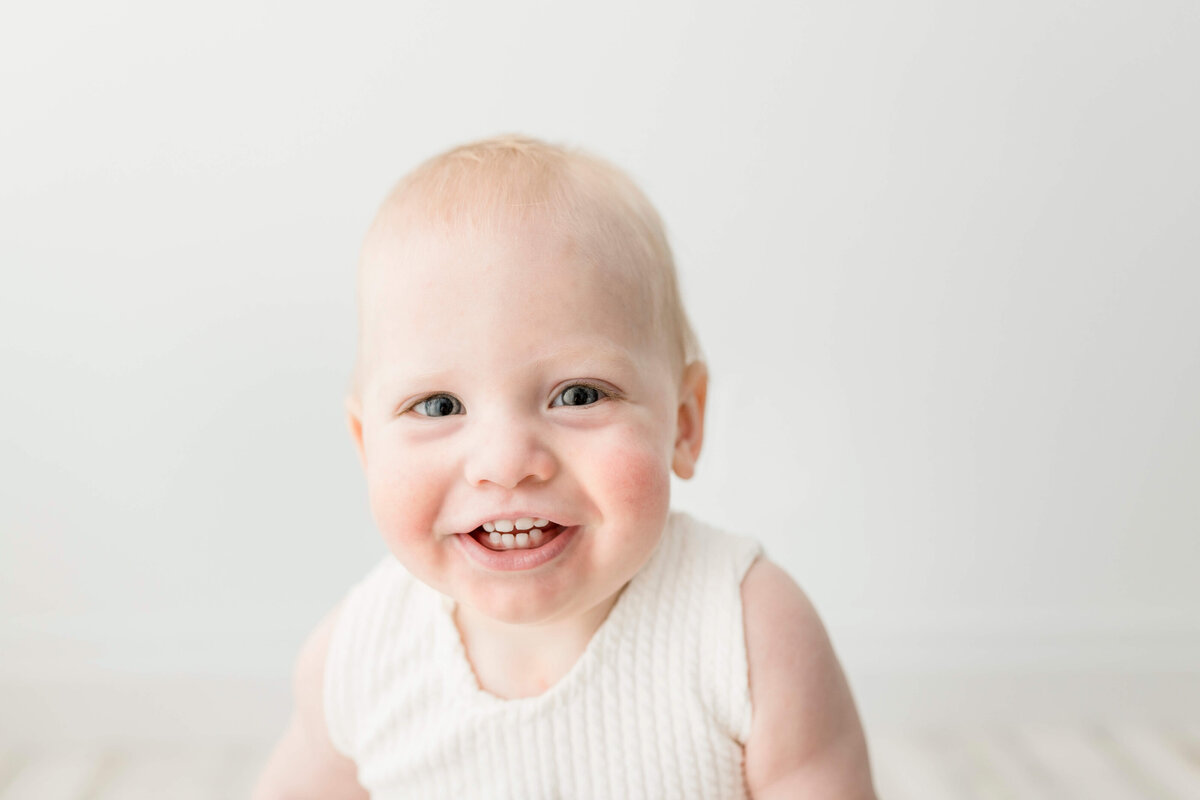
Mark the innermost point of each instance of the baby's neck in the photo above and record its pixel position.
(513, 661)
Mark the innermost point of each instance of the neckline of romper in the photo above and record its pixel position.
(463, 684)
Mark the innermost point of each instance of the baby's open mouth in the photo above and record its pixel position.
(519, 534)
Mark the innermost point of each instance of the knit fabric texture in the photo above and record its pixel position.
(657, 706)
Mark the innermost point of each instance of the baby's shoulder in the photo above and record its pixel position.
(308, 675)
(805, 727)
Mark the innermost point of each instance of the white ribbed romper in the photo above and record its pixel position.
(657, 706)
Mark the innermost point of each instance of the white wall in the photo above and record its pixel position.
(943, 259)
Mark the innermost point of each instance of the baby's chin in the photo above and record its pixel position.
(524, 617)
(528, 607)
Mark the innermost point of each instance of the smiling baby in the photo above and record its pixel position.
(544, 625)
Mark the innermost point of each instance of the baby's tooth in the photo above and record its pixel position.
(524, 523)
(508, 540)
(535, 536)
(522, 540)
(494, 538)
(489, 527)
(540, 523)
(504, 525)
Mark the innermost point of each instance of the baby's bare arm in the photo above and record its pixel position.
(805, 740)
(304, 763)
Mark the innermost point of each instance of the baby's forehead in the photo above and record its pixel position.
(526, 274)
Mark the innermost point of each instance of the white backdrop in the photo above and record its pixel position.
(943, 260)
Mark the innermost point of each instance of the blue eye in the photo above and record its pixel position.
(438, 405)
(578, 395)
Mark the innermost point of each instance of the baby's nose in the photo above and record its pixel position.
(507, 454)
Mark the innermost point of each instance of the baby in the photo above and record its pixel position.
(544, 625)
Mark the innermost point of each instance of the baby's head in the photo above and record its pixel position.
(505, 185)
(523, 354)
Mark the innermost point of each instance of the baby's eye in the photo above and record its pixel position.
(438, 405)
(578, 395)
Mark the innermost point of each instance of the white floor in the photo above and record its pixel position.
(1034, 763)
(96, 774)
(1039, 763)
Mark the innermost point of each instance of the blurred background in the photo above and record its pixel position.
(942, 257)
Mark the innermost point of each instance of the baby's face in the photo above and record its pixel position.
(504, 379)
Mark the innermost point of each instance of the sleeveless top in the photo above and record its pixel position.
(657, 706)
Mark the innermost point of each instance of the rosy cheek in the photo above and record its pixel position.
(637, 477)
(400, 497)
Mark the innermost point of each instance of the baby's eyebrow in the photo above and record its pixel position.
(600, 355)
(392, 382)
(574, 359)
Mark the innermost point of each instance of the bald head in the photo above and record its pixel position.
(513, 186)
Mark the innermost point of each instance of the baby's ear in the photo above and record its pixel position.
(354, 423)
(689, 423)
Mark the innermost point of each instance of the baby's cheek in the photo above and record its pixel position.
(401, 500)
(637, 476)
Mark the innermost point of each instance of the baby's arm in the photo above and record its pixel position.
(304, 763)
(805, 739)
